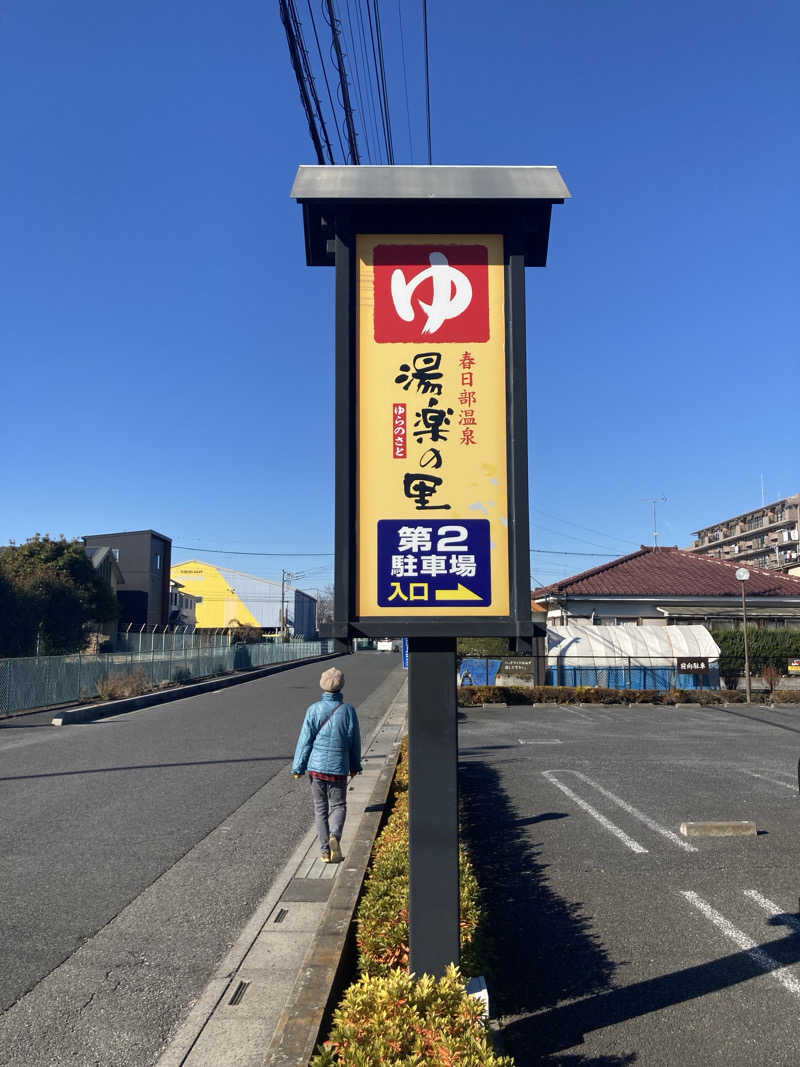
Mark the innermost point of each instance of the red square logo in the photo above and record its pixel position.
(431, 293)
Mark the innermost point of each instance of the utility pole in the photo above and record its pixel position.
(284, 576)
(292, 576)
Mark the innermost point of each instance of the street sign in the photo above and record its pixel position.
(432, 505)
(692, 664)
(794, 666)
(434, 563)
(431, 531)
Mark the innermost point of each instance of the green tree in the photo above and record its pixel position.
(767, 648)
(17, 619)
(55, 593)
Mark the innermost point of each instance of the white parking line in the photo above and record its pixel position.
(631, 810)
(574, 711)
(634, 846)
(742, 941)
(773, 909)
(550, 741)
(775, 781)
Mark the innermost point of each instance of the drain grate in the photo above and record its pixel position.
(238, 993)
(281, 915)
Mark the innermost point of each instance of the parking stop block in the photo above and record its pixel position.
(718, 829)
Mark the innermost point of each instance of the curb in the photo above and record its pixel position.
(93, 712)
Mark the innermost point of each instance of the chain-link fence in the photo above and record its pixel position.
(41, 682)
(609, 672)
(176, 640)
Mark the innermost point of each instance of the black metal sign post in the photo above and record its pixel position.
(431, 531)
(434, 915)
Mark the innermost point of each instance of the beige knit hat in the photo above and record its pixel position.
(332, 680)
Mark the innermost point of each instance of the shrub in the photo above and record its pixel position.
(399, 1019)
(766, 646)
(771, 676)
(470, 696)
(382, 921)
(389, 1016)
(483, 646)
(118, 686)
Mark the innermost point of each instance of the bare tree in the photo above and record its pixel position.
(325, 605)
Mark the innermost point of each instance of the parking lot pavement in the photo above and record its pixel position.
(616, 939)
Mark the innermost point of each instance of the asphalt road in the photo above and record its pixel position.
(616, 940)
(133, 850)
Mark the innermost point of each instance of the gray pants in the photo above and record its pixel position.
(330, 809)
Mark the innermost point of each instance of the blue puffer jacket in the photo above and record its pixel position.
(332, 747)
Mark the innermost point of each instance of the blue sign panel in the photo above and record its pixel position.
(437, 563)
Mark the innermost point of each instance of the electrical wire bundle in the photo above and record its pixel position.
(354, 68)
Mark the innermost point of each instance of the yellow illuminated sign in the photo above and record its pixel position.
(432, 498)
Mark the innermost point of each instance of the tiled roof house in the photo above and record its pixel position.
(660, 585)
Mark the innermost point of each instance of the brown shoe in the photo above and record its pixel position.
(336, 852)
(325, 857)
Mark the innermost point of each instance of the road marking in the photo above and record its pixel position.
(775, 781)
(761, 958)
(573, 711)
(640, 815)
(773, 909)
(549, 741)
(634, 846)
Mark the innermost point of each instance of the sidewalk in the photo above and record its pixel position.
(266, 1003)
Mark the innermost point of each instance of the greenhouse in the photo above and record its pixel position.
(632, 657)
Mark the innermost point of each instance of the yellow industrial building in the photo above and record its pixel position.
(233, 598)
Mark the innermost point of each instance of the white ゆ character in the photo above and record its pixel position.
(445, 304)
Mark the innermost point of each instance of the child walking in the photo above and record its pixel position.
(329, 747)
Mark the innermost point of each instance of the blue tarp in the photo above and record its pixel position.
(477, 670)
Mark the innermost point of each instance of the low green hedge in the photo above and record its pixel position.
(382, 919)
(389, 1016)
(410, 1022)
(471, 695)
(785, 696)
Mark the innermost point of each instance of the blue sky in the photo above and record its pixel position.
(167, 356)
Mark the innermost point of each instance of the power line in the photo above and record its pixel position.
(570, 537)
(238, 552)
(427, 78)
(389, 146)
(580, 526)
(594, 555)
(381, 82)
(405, 79)
(229, 552)
(305, 81)
(309, 75)
(324, 73)
(370, 96)
(348, 111)
(354, 52)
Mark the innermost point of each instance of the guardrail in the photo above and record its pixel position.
(44, 681)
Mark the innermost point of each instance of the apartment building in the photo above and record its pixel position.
(766, 537)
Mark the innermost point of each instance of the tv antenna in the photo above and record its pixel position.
(654, 500)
